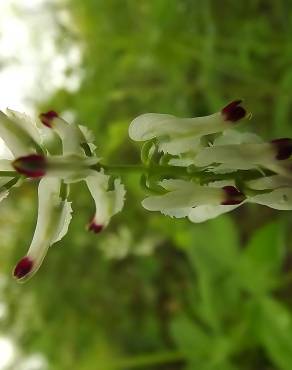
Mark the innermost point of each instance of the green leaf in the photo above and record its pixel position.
(213, 245)
(212, 249)
(196, 345)
(275, 332)
(260, 262)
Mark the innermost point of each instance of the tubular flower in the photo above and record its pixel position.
(77, 163)
(246, 156)
(75, 138)
(201, 203)
(30, 158)
(280, 199)
(107, 202)
(180, 135)
(70, 168)
(182, 196)
(230, 168)
(54, 216)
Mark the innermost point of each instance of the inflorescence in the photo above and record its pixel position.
(191, 167)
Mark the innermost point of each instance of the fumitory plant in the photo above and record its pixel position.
(191, 167)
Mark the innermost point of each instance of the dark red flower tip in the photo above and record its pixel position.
(283, 148)
(94, 227)
(233, 112)
(33, 165)
(23, 268)
(233, 196)
(47, 118)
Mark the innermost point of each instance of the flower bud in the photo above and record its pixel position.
(233, 196)
(283, 148)
(94, 227)
(233, 112)
(48, 117)
(33, 165)
(23, 267)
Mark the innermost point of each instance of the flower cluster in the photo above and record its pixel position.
(208, 168)
(30, 158)
(192, 167)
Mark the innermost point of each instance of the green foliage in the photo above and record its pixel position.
(232, 310)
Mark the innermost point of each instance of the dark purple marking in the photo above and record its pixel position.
(33, 165)
(23, 267)
(94, 227)
(233, 112)
(233, 196)
(283, 147)
(48, 117)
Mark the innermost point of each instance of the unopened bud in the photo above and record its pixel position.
(48, 117)
(23, 268)
(233, 112)
(232, 196)
(283, 148)
(94, 227)
(33, 165)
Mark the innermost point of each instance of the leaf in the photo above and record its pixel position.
(212, 250)
(213, 244)
(197, 345)
(275, 332)
(260, 262)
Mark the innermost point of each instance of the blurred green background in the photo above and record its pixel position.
(153, 292)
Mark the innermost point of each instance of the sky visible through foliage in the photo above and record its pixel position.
(150, 292)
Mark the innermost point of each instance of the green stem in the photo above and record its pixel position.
(149, 360)
(189, 172)
(121, 169)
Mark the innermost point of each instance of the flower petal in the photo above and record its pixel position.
(269, 182)
(6, 165)
(71, 168)
(237, 156)
(280, 199)
(207, 212)
(65, 219)
(18, 140)
(184, 198)
(180, 145)
(52, 223)
(236, 137)
(151, 125)
(177, 184)
(26, 123)
(107, 202)
(176, 212)
(72, 135)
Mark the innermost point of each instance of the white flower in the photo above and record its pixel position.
(179, 135)
(280, 199)
(108, 202)
(54, 215)
(201, 203)
(273, 156)
(269, 182)
(70, 168)
(75, 138)
(182, 196)
(77, 164)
